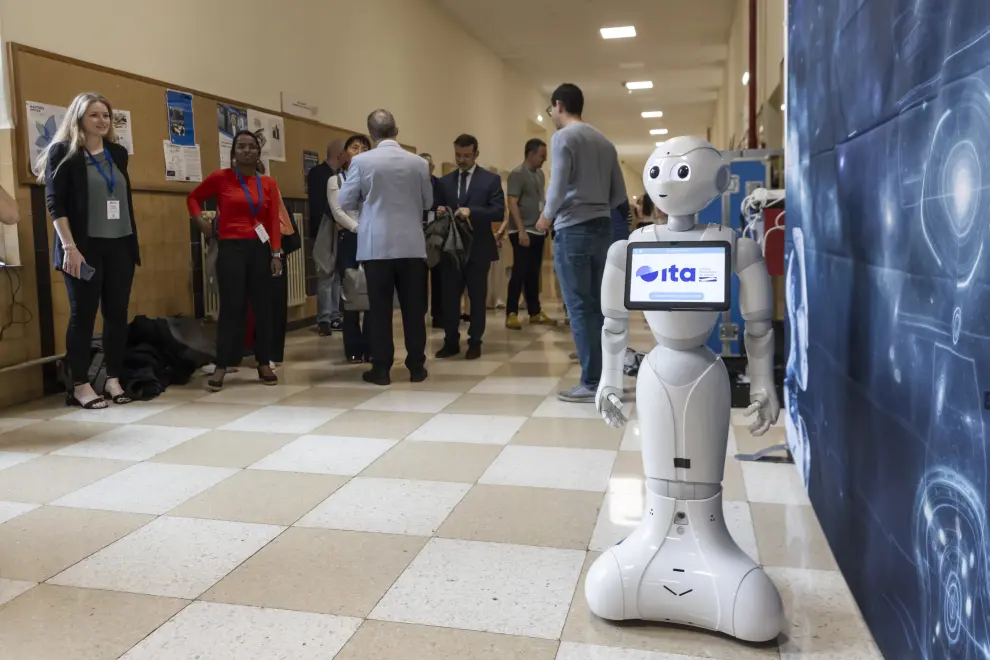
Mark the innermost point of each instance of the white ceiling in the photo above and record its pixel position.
(681, 45)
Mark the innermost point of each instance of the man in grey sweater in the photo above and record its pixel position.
(585, 185)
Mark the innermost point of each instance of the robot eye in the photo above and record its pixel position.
(682, 172)
(654, 172)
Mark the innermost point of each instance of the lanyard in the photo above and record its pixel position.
(255, 210)
(111, 179)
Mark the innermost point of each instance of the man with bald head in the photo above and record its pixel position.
(328, 315)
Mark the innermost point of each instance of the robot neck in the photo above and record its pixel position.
(681, 222)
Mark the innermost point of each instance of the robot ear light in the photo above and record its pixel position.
(722, 178)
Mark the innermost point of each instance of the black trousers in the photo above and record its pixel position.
(473, 277)
(526, 265)
(244, 272)
(109, 289)
(436, 293)
(407, 278)
(280, 311)
(356, 340)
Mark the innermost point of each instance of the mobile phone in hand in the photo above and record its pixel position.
(86, 271)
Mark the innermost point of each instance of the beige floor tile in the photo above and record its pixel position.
(11, 589)
(325, 397)
(45, 437)
(525, 516)
(531, 369)
(435, 382)
(260, 496)
(315, 570)
(46, 541)
(62, 623)
(373, 424)
(47, 408)
(48, 478)
(747, 443)
(790, 536)
(495, 404)
(200, 415)
(230, 449)
(584, 627)
(434, 461)
(575, 433)
(377, 640)
(733, 485)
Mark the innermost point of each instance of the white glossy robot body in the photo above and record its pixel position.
(680, 564)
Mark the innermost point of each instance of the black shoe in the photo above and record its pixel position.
(376, 377)
(448, 351)
(336, 325)
(324, 329)
(417, 375)
(473, 352)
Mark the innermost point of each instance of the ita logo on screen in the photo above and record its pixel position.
(674, 273)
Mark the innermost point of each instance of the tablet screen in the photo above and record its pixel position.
(669, 276)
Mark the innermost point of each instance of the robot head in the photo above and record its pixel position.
(684, 174)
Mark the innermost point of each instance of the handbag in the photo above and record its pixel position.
(292, 242)
(354, 290)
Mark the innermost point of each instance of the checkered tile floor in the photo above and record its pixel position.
(326, 519)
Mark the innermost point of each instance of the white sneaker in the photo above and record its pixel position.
(578, 394)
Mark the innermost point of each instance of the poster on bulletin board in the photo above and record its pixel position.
(42, 122)
(181, 125)
(230, 120)
(270, 130)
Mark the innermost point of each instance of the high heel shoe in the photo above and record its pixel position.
(119, 399)
(99, 403)
(269, 379)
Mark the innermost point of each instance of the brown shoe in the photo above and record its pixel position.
(542, 319)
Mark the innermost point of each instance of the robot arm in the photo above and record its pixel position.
(615, 335)
(756, 307)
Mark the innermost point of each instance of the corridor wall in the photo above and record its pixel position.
(888, 372)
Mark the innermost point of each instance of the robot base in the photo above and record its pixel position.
(680, 565)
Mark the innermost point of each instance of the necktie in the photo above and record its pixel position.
(462, 186)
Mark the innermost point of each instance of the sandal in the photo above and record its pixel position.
(120, 399)
(269, 379)
(216, 384)
(99, 403)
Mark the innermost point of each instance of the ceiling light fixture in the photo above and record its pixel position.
(539, 117)
(659, 131)
(783, 107)
(625, 32)
(746, 78)
(641, 84)
(651, 114)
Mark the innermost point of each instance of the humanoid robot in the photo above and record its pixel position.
(680, 564)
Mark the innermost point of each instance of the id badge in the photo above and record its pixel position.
(261, 232)
(113, 209)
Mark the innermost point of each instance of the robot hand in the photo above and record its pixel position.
(609, 404)
(763, 404)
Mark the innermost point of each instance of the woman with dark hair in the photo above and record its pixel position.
(249, 253)
(88, 194)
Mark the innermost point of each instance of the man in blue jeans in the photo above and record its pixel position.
(585, 185)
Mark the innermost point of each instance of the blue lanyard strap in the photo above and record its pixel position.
(255, 210)
(110, 178)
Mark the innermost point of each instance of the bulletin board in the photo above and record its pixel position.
(44, 77)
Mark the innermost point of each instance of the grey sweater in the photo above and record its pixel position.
(585, 178)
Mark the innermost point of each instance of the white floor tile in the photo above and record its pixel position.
(621, 511)
(11, 589)
(10, 510)
(773, 483)
(517, 386)
(253, 393)
(320, 454)
(132, 412)
(541, 356)
(554, 407)
(284, 419)
(132, 442)
(388, 506)
(12, 458)
(456, 367)
(489, 587)
(739, 520)
(146, 488)
(551, 467)
(473, 429)
(13, 423)
(176, 557)
(631, 439)
(572, 651)
(235, 632)
(410, 401)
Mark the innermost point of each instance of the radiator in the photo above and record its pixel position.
(296, 272)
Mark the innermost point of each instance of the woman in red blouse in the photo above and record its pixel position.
(249, 253)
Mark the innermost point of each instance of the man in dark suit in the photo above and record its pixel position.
(328, 315)
(435, 293)
(475, 194)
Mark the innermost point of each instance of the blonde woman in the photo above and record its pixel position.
(88, 195)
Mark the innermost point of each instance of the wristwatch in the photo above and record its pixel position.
(277, 254)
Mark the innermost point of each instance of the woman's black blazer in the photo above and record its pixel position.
(67, 196)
